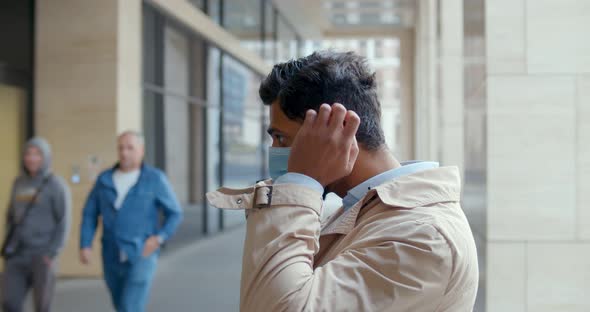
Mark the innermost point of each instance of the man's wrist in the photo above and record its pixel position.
(161, 239)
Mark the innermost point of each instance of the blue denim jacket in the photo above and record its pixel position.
(127, 228)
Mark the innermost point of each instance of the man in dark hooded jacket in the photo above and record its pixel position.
(39, 214)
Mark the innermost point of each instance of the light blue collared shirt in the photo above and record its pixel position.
(301, 179)
(357, 193)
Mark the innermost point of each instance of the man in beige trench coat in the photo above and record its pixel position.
(400, 242)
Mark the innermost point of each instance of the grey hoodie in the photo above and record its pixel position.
(44, 230)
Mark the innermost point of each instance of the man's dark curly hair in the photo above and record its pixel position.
(327, 77)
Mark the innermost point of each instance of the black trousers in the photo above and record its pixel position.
(21, 273)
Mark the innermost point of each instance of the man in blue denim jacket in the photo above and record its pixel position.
(130, 197)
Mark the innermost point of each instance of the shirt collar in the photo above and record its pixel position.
(409, 167)
(107, 178)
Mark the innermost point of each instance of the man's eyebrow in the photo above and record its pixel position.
(272, 131)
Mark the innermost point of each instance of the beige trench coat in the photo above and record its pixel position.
(406, 246)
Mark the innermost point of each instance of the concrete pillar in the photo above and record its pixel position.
(406, 135)
(87, 90)
(451, 103)
(538, 155)
(426, 112)
(12, 126)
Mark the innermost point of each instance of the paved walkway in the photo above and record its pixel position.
(203, 276)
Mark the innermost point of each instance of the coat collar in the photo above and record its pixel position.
(357, 193)
(415, 190)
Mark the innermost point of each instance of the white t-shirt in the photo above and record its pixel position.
(124, 181)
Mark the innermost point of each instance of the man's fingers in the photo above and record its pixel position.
(323, 115)
(351, 124)
(354, 152)
(337, 117)
(310, 117)
(328, 151)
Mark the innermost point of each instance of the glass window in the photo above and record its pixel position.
(287, 45)
(242, 128)
(176, 61)
(200, 146)
(338, 5)
(176, 110)
(269, 45)
(370, 4)
(370, 18)
(242, 124)
(243, 19)
(153, 129)
(213, 116)
(151, 46)
(339, 19)
(386, 60)
(266, 141)
(213, 138)
(200, 4)
(379, 53)
(363, 47)
(197, 112)
(214, 10)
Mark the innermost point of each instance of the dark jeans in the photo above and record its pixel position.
(23, 272)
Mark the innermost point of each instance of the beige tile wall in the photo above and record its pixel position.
(531, 157)
(538, 155)
(583, 156)
(452, 88)
(556, 36)
(506, 277)
(506, 47)
(83, 96)
(558, 277)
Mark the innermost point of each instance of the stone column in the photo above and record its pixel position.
(87, 90)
